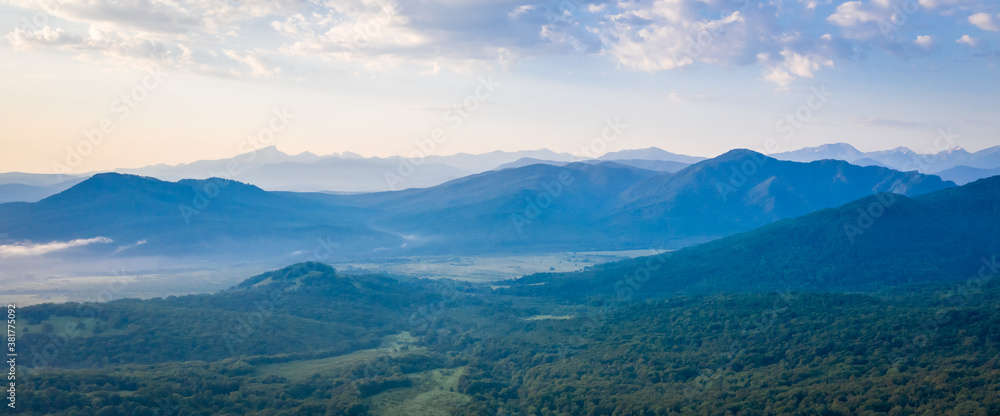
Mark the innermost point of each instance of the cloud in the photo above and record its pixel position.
(791, 65)
(259, 67)
(31, 249)
(873, 19)
(175, 17)
(44, 37)
(948, 7)
(136, 33)
(969, 41)
(667, 34)
(924, 41)
(984, 21)
(379, 35)
(855, 13)
(672, 34)
(128, 246)
(263, 38)
(520, 10)
(100, 43)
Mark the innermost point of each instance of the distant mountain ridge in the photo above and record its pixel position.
(214, 217)
(654, 165)
(651, 153)
(273, 170)
(535, 208)
(348, 172)
(970, 166)
(742, 190)
(609, 205)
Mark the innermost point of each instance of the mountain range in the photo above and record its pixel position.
(955, 164)
(540, 207)
(273, 170)
(32, 187)
(215, 217)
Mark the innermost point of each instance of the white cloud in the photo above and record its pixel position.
(178, 17)
(46, 36)
(968, 41)
(31, 249)
(520, 10)
(128, 246)
(867, 20)
(259, 67)
(947, 4)
(263, 38)
(138, 33)
(924, 41)
(792, 65)
(984, 21)
(668, 34)
(854, 13)
(597, 8)
(102, 44)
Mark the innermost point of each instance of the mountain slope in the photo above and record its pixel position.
(533, 207)
(613, 206)
(650, 153)
(867, 245)
(965, 174)
(17, 192)
(838, 151)
(742, 190)
(654, 165)
(185, 217)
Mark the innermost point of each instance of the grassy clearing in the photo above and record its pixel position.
(392, 346)
(489, 268)
(548, 317)
(433, 393)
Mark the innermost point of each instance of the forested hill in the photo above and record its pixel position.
(866, 245)
(306, 308)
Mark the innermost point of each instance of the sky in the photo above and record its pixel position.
(92, 85)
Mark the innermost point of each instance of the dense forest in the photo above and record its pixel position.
(309, 340)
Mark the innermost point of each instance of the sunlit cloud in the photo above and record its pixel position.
(256, 39)
(985, 21)
(129, 246)
(36, 249)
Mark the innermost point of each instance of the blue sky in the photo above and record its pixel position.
(375, 77)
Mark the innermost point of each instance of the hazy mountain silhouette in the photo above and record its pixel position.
(742, 190)
(579, 206)
(654, 165)
(651, 153)
(965, 174)
(900, 158)
(212, 216)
